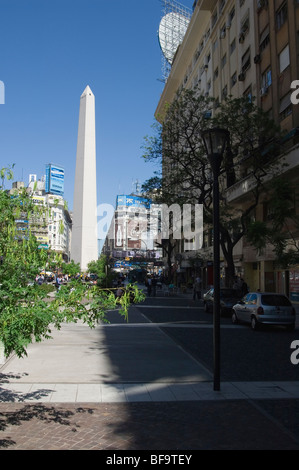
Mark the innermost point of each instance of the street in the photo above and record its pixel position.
(148, 385)
(246, 355)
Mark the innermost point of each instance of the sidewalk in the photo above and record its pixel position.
(130, 387)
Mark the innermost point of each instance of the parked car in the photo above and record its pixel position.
(265, 308)
(228, 298)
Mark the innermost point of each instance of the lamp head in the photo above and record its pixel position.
(215, 141)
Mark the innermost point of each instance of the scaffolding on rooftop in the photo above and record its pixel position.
(172, 29)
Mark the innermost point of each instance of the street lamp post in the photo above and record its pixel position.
(215, 142)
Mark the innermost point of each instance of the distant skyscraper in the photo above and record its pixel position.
(84, 247)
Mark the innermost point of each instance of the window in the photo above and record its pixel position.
(223, 32)
(285, 108)
(224, 92)
(246, 61)
(232, 14)
(246, 298)
(275, 300)
(261, 4)
(214, 19)
(267, 79)
(284, 59)
(216, 73)
(245, 25)
(221, 6)
(233, 46)
(252, 299)
(264, 39)
(282, 16)
(234, 79)
(223, 61)
(248, 93)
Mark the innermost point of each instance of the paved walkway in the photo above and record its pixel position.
(119, 364)
(130, 387)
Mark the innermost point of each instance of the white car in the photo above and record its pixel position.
(265, 308)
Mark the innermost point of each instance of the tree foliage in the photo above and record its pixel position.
(280, 229)
(186, 175)
(102, 269)
(26, 313)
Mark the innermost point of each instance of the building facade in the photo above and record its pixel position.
(131, 239)
(52, 231)
(244, 48)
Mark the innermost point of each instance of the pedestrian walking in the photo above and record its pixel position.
(197, 288)
(149, 286)
(58, 282)
(244, 288)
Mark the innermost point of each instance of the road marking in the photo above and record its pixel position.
(172, 325)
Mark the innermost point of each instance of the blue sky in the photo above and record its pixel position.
(50, 50)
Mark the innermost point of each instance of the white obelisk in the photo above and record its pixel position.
(84, 245)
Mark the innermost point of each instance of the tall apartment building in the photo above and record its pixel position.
(53, 231)
(244, 47)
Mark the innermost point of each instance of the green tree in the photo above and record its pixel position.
(101, 268)
(26, 314)
(71, 268)
(280, 228)
(186, 176)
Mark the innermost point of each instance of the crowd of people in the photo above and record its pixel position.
(152, 282)
(50, 278)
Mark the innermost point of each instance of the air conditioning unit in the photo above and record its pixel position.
(241, 77)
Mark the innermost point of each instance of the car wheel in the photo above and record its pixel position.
(235, 319)
(254, 323)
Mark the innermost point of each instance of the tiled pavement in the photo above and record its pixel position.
(42, 407)
(168, 426)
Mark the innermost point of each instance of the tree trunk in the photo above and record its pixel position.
(227, 249)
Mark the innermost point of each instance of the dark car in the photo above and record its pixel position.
(228, 298)
(265, 308)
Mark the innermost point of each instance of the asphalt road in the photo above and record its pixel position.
(246, 355)
(80, 357)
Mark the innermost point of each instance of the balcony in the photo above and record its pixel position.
(242, 187)
(239, 189)
(250, 254)
(207, 5)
